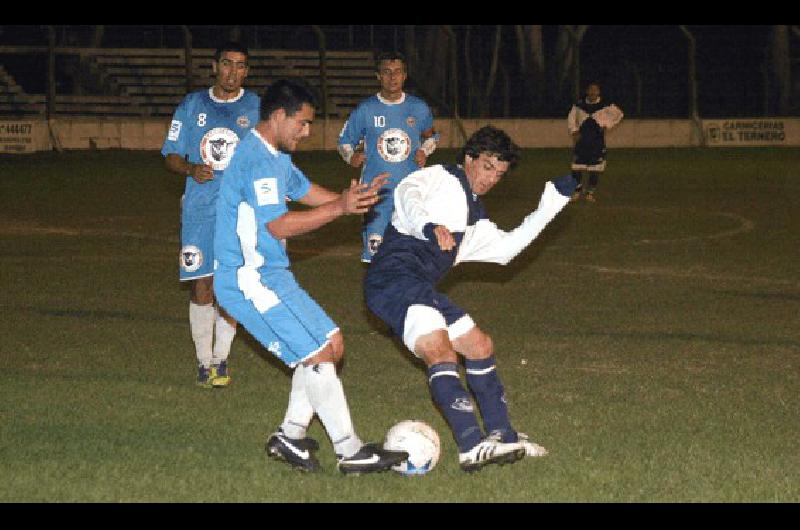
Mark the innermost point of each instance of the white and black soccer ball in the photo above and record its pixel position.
(420, 441)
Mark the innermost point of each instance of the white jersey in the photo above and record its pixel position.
(439, 195)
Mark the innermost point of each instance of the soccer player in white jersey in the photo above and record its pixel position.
(254, 283)
(205, 129)
(439, 221)
(587, 122)
(392, 132)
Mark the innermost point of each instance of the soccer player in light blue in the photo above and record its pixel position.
(254, 284)
(205, 129)
(389, 132)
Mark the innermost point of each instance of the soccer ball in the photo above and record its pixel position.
(421, 443)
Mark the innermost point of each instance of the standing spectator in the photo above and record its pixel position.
(588, 121)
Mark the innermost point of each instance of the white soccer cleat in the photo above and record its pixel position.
(490, 450)
(531, 449)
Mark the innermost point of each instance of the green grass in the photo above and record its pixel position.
(649, 341)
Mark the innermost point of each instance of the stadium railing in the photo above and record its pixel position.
(151, 82)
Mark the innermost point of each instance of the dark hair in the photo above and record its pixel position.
(286, 94)
(230, 46)
(389, 56)
(491, 140)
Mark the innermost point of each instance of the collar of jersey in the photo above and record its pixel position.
(586, 100)
(215, 99)
(387, 102)
(268, 145)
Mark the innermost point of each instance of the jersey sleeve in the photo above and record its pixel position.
(608, 117)
(485, 242)
(572, 120)
(411, 212)
(176, 140)
(428, 144)
(297, 184)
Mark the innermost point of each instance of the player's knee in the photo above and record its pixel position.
(475, 345)
(435, 348)
(331, 353)
(203, 291)
(337, 346)
(484, 346)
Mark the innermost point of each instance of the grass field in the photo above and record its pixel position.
(650, 341)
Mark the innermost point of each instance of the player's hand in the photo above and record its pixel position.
(445, 238)
(359, 198)
(357, 159)
(420, 158)
(202, 173)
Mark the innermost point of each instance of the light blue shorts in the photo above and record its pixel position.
(197, 248)
(293, 329)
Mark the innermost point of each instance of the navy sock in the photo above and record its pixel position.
(485, 383)
(594, 178)
(453, 401)
(578, 176)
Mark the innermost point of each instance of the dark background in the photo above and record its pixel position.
(734, 73)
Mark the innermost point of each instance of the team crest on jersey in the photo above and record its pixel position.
(394, 145)
(373, 242)
(191, 258)
(243, 122)
(411, 121)
(217, 146)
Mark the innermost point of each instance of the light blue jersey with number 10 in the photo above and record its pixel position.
(392, 135)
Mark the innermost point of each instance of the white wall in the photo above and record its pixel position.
(25, 136)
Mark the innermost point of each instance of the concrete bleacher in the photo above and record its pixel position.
(157, 78)
(151, 82)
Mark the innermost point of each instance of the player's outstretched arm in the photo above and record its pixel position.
(486, 242)
(357, 199)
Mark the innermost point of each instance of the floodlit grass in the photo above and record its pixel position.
(649, 341)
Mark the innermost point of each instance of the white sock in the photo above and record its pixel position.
(223, 337)
(201, 322)
(299, 413)
(326, 394)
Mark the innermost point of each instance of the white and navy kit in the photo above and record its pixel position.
(391, 132)
(252, 280)
(590, 120)
(400, 284)
(206, 130)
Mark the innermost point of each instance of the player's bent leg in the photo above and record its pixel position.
(485, 383)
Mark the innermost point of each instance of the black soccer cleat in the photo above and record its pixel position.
(371, 458)
(298, 453)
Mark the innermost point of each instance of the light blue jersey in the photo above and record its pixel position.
(205, 130)
(392, 135)
(252, 280)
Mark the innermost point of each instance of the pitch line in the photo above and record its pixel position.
(672, 273)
